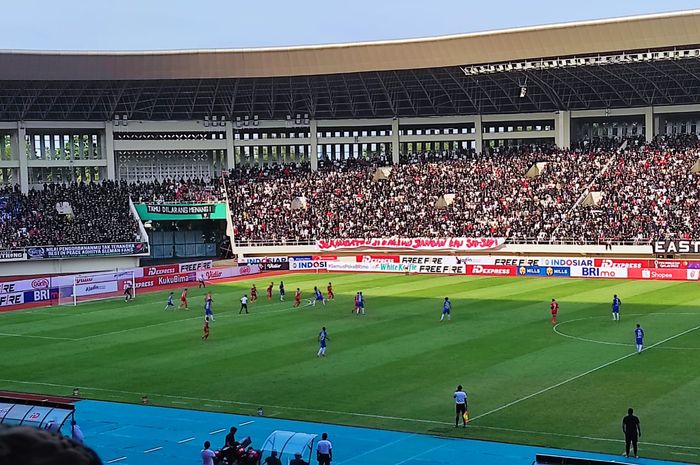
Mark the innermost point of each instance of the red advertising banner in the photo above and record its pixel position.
(661, 274)
(419, 243)
(377, 258)
(623, 263)
(161, 270)
(491, 270)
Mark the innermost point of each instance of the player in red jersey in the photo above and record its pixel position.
(554, 308)
(269, 291)
(183, 300)
(331, 296)
(253, 293)
(297, 298)
(205, 336)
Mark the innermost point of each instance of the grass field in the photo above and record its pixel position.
(397, 366)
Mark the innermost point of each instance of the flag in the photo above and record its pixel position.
(466, 417)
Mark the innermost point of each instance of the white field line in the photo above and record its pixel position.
(335, 412)
(51, 338)
(148, 451)
(246, 423)
(182, 441)
(581, 375)
(217, 431)
(621, 344)
(118, 459)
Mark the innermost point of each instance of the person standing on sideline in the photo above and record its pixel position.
(76, 433)
(324, 450)
(322, 339)
(446, 309)
(632, 430)
(554, 308)
(244, 304)
(230, 439)
(207, 454)
(297, 460)
(616, 308)
(639, 338)
(460, 398)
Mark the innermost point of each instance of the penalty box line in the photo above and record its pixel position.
(334, 412)
(581, 375)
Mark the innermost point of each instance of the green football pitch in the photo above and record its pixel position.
(397, 366)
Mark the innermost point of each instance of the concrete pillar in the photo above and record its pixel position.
(19, 146)
(108, 150)
(649, 126)
(479, 132)
(562, 133)
(230, 146)
(395, 142)
(313, 144)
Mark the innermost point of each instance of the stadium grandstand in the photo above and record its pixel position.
(585, 102)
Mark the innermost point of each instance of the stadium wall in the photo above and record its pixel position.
(67, 265)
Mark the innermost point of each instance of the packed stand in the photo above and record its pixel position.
(493, 198)
(182, 191)
(648, 192)
(60, 214)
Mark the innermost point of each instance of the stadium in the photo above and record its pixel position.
(183, 235)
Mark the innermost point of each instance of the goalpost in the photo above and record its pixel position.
(99, 286)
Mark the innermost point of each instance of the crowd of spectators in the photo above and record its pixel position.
(170, 191)
(648, 191)
(95, 213)
(493, 197)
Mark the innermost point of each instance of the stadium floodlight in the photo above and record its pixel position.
(306, 118)
(238, 121)
(214, 121)
(297, 120)
(523, 91)
(116, 120)
(223, 120)
(125, 120)
(255, 120)
(206, 121)
(246, 120)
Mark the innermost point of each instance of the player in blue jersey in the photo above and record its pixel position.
(207, 307)
(318, 296)
(639, 338)
(446, 309)
(281, 291)
(616, 303)
(322, 339)
(360, 303)
(170, 303)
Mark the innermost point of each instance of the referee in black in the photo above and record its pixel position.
(632, 430)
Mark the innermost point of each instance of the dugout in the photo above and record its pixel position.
(288, 443)
(35, 413)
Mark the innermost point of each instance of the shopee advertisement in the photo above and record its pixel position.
(659, 274)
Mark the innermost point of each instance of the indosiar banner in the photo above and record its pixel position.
(181, 211)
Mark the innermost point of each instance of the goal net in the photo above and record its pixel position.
(98, 286)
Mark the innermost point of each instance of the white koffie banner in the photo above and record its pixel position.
(417, 243)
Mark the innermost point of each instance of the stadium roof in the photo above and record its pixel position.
(418, 77)
(559, 40)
